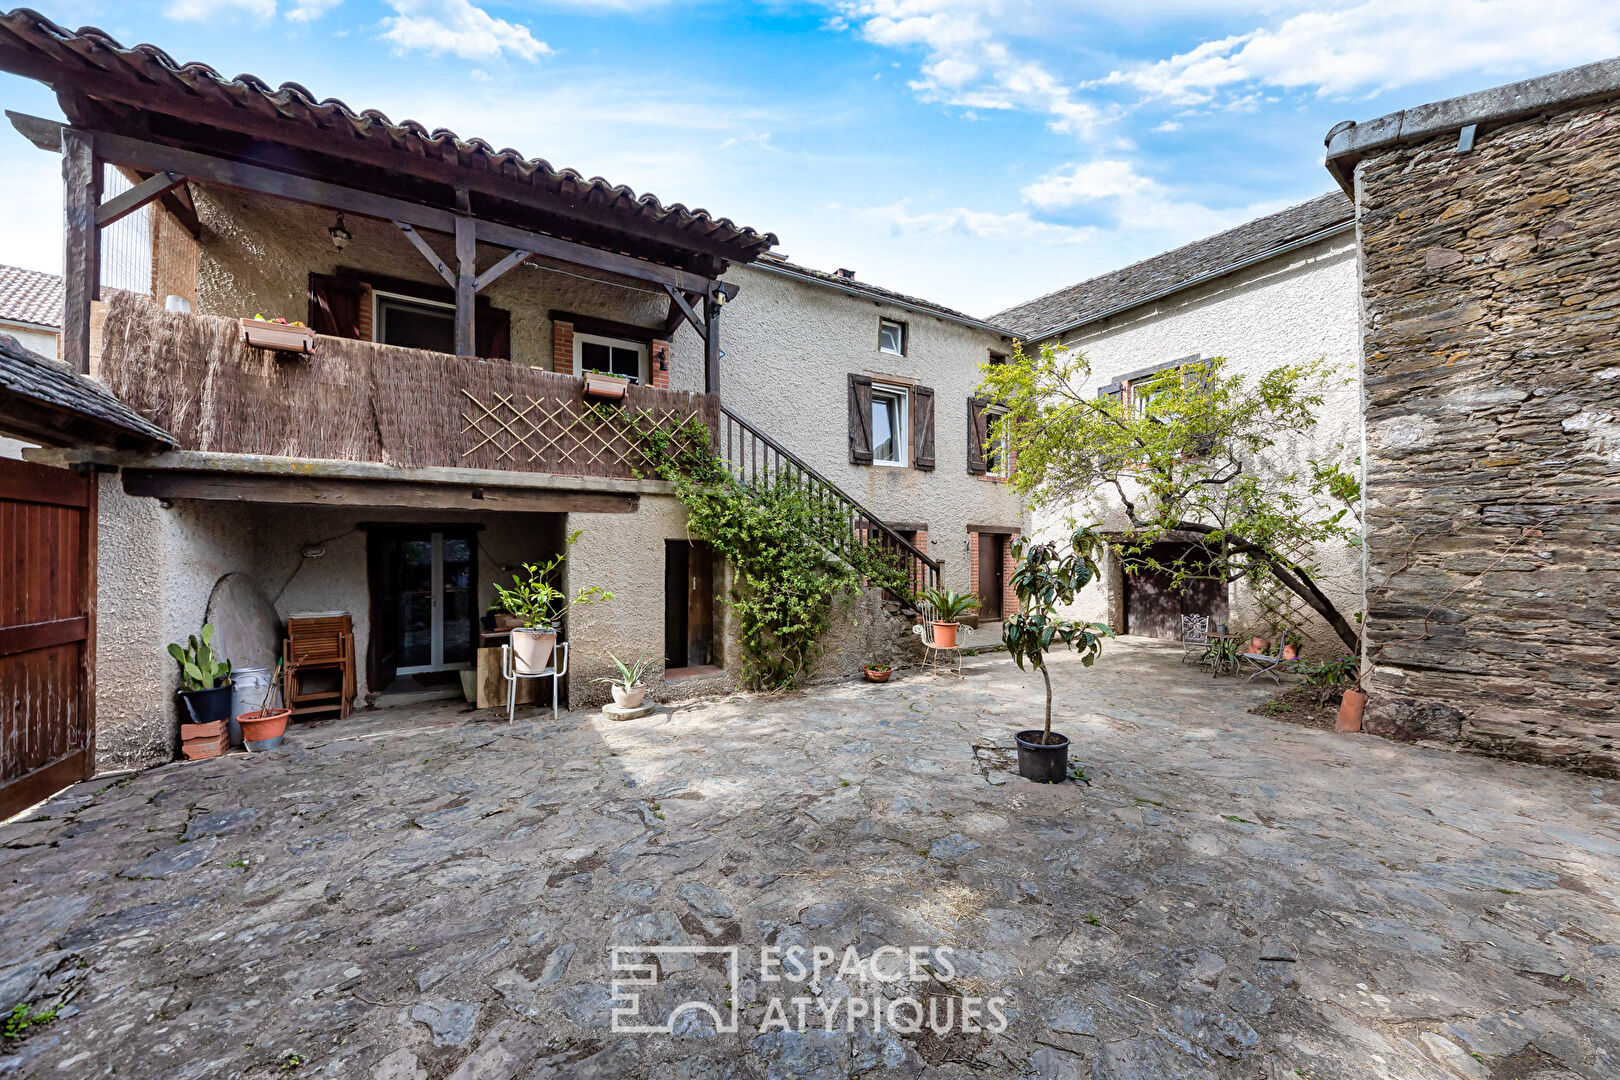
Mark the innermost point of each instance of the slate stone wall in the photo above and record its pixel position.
(1491, 297)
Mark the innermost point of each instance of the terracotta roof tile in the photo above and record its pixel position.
(30, 296)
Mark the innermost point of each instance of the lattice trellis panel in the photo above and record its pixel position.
(569, 437)
(1280, 606)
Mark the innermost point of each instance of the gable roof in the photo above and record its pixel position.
(192, 105)
(49, 401)
(854, 287)
(1073, 307)
(30, 296)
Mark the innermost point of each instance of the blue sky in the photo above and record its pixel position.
(975, 152)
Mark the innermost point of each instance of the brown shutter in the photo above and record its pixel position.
(492, 327)
(976, 435)
(860, 420)
(334, 305)
(922, 427)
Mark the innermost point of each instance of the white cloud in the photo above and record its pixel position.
(1134, 203)
(310, 10)
(1384, 44)
(460, 28)
(200, 10)
(968, 64)
(898, 220)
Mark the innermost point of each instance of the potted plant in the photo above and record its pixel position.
(605, 384)
(277, 334)
(263, 728)
(1045, 578)
(1291, 642)
(878, 672)
(538, 606)
(949, 607)
(628, 689)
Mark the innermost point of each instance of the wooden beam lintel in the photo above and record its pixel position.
(226, 487)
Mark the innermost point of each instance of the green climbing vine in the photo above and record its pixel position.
(792, 555)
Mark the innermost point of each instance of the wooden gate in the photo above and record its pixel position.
(47, 631)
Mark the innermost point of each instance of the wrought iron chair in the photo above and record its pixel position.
(512, 671)
(932, 650)
(1194, 637)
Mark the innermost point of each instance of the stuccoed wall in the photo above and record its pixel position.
(257, 254)
(157, 568)
(1493, 408)
(790, 347)
(1297, 307)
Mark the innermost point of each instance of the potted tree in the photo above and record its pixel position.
(628, 689)
(1045, 578)
(539, 607)
(949, 607)
(205, 694)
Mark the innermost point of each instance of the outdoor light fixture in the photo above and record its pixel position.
(340, 236)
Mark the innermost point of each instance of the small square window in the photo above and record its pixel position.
(888, 426)
(892, 337)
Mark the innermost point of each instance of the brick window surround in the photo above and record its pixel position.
(562, 354)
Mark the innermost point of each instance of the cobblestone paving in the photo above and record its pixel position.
(420, 894)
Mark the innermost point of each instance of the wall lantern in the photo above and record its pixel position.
(340, 236)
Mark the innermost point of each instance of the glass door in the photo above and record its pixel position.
(435, 602)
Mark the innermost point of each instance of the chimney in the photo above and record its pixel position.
(847, 275)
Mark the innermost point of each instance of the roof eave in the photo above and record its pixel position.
(1194, 282)
(1349, 143)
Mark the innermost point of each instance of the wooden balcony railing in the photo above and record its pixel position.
(360, 401)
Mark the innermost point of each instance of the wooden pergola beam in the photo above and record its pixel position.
(427, 252)
(511, 260)
(121, 206)
(81, 244)
(680, 304)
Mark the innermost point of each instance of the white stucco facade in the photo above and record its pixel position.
(1297, 306)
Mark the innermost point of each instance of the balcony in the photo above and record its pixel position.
(412, 412)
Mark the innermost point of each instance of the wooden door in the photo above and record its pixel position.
(1154, 609)
(47, 631)
(991, 551)
(688, 603)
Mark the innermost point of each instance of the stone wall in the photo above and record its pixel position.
(1492, 377)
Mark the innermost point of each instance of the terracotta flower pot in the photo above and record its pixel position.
(878, 675)
(263, 730)
(1259, 645)
(628, 699)
(945, 634)
(532, 648)
(1290, 653)
(1351, 706)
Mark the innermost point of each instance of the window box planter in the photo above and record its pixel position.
(282, 337)
(601, 385)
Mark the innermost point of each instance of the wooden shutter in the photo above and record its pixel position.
(492, 326)
(334, 305)
(860, 420)
(976, 435)
(922, 427)
(1112, 390)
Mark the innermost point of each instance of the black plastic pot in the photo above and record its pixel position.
(1044, 763)
(206, 706)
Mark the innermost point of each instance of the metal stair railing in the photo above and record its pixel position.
(755, 458)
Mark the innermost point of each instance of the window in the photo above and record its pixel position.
(888, 425)
(997, 450)
(1138, 390)
(892, 337)
(415, 324)
(616, 356)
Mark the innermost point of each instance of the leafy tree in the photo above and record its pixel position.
(1046, 577)
(1198, 455)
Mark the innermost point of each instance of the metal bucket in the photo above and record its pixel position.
(247, 695)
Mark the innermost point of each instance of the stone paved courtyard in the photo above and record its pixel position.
(433, 893)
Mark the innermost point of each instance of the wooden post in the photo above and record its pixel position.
(81, 244)
(466, 286)
(711, 342)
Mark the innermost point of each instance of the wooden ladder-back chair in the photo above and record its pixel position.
(322, 645)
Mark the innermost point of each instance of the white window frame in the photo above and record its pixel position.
(1004, 444)
(379, 297)
(904, 333)
(902, 440)
(644, 379)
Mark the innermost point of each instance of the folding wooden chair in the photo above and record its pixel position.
(319, 648)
